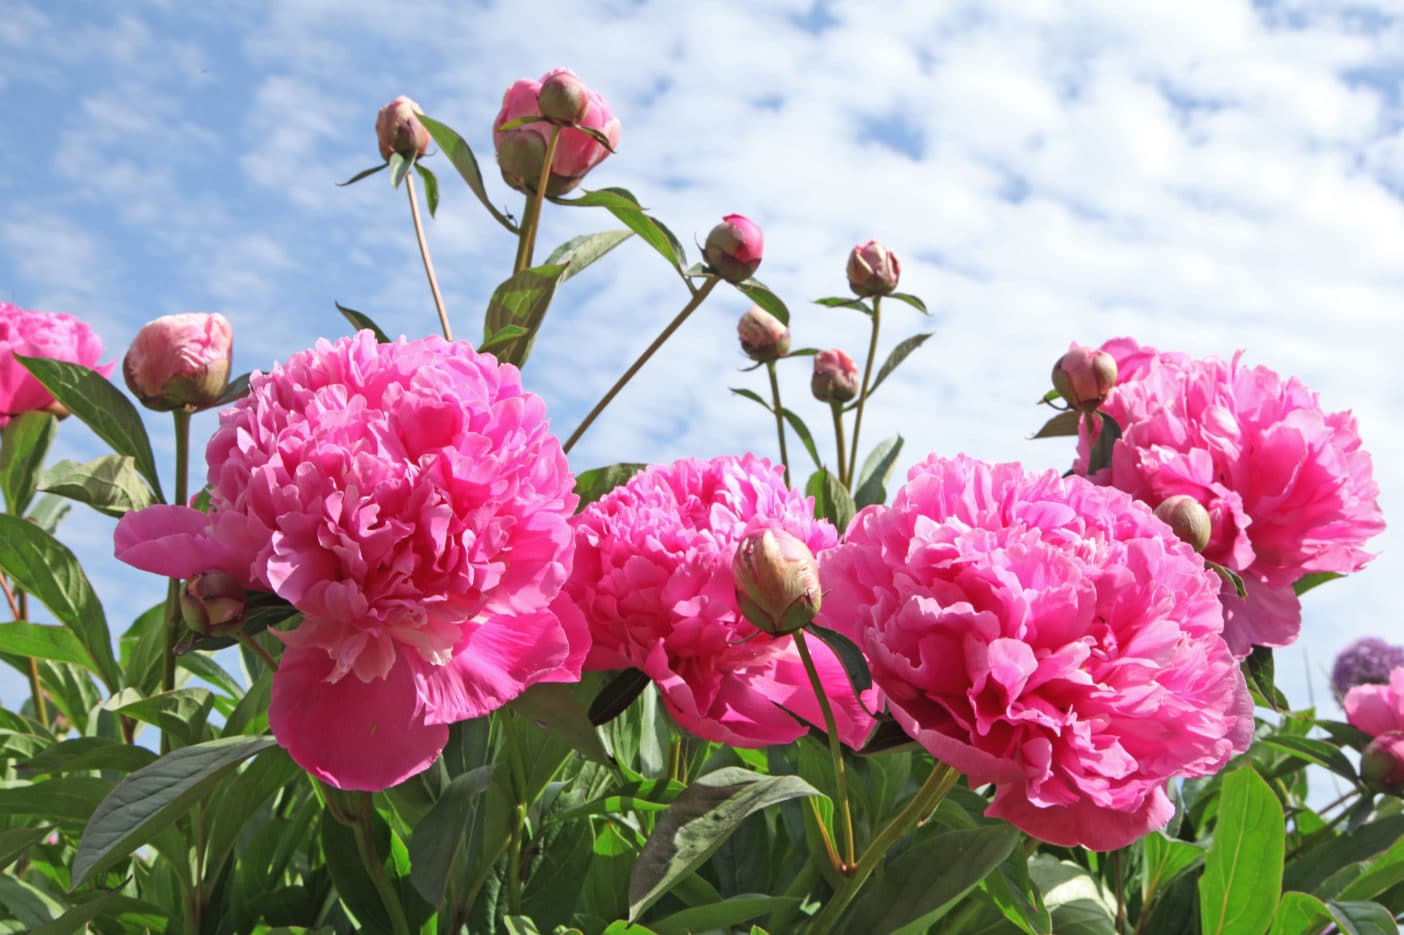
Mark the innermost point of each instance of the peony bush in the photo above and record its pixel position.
(417, 671)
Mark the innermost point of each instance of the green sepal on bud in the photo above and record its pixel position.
(777, 581)
(213, 603)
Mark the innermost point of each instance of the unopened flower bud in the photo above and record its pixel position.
(777, 581)
(398, 129)
(1382, 763)
(835, 377)
(520, 155)
(180, 361)
(1084, 376)
(733, 248)
(763, 336)
(1188, 518)
(873, 269)
(212, 603)
(563, 97)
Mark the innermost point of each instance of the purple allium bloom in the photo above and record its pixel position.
(1367, 660)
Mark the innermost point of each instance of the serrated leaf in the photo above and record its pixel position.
(911, 300)
(839, 301)
(362, 322)
(697, 823)
(23, 444)
(522, 300)
(1063, 424)
(152, 798)
(1243, 867)
(1314, 579)
(109, 484)
(899, 354)
(616, 696)
(364, 173)
(802, 430)
(593, 484)
(855, 664)
(431, 187)
(1101, 454)
(461, 155)
(578, 253)
(101, 407)
(439, 837)
(759, 293)
(832, 500)
(399, 168)
(877, 471)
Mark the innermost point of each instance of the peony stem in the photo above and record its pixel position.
(428, 263)
(779, 419)
(514, 861)
(257, 649)
(863, 397)
(838, 439)
(526, 238)
(827, 837)
(637, 365)
(835, 752)
(181, 417)
(19, 603)
(358, 819)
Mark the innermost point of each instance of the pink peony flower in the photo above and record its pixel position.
(1045, 635)
(1288, 487)
(520, 157)
(410, 500)
(180, 360)
(653, 576)
(40, 334)
(1377, 709)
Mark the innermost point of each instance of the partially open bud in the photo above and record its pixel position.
(563, 98)
(1382, 763)
(1188, 518)
(213, 603)
(733, 248)
(873, 269)
(835, 377)
(398, 129)
(1084, 376)
(180, 361)
(763, 336)
(777, 581)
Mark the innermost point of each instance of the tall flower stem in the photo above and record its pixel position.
(835, 752)
(863, 398)
(526, 237)
(182, 483)
(941, 780)
(428, 263)
(838, 440)
(19, 606)
(358, 817)
(637, 365)
(779, 419)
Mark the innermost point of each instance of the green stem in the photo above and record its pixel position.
(837, 409)
(360, 813)
(514, 861)
(182, 479)
(863, 398)
(1120, 894)
(930, 794)
(779, 419)
(526, 238)
(424, 254)
(835, 750)
(637, 365)
(257, 649)
(19, 602)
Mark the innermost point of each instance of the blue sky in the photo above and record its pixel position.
(1203, 176)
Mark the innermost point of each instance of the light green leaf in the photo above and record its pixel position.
(839, 301)
(1061, 425)
(899, 354)
(877, 471)
(1314, 579)
(759, 293)
(593, 484)
(23, 445)
(364, 173)
(109, 484)
(399, 168)
(362, 322)
(911, 300)
(461, 155)
(76, 919)
(578, 253)
(832, 500)
(1243, 869)
(181, 712)
(431, 187)
(522, 300)
(805, 437)
(43, 641)
(1077, 903)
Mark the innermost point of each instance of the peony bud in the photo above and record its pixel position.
(1084, 376)
(556, 96)
(212, 603)
(1382, 763)
(763, 336)
(398, 129)
(563, 98)
(520, 154)
(777, 581)
(1188, 518)
(835, 377)
(873, 269)
(733, 248)
(180, 361)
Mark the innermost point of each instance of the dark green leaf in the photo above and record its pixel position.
(839, 301)
(1229, 575)
(202, 666)
(109, 484)
(362, 322)
(68, 799)
(805, 437)
(831, 499)
(16, 841)
(855, 664)
(1100, 457)
(618, 693)
(1063, 424)
(611, 197)
(578, 253)
(911, 300)
(431, 187)
(236, 390)
(399, 168)
(522, 300)
(1258, 671)
(1308, 871)
(1314, 751)
(441, 835)
(593, 484)
(556, 708)
(76, 920)
(877, 470)
(1313, 579)
(1243, 868)
(87, 753)
(181, 712)
(364, 173)
(153, 797)
(753, 396)
(759, 293)
(899, 354)
(1383, 874)
(23, 445)
(723, 916)
(696, 824)
(459, 153)
(101, 407)
(510, 333)
(1362, 919)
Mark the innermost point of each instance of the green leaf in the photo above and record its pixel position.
(624, 206)
(506, 335)
(802, 430)
(16, 841)
(753, 396)
(431, 187)
(697, 823)
(1362, 918)
(899, 354)
(181, 712)
(759, 293)
(578, 253)
(399, 168)
(616, 696)
(1383, 873)
(439, 837)
(88, 753)
(1314, 751)
(520, 925)
(48, 512)
(911, 300)
(1229, 575)
(461, 155)
(44, 567)
(839, 301)
(66, 799)
(1101, 454)
(234, 391)
(1061, 425)
(556, 708)
(1164, 859)
(723, 916)
(1243, 868)
(1314, 579)
(362, 322)
(43, 641)
(522, 300)
(1309, 871)
(831, 499)
(855, 664)
(76, 919)
(1299, 914)
(23, 445)
(593, 484)
(109, 484)
(1077, 903)
(364, 173)
(877, 470)
(101, 407)
(152, 798)
(1258, 672)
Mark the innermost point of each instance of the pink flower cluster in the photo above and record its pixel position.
(653, 576)
(1288, 487)
(1045, 635)
(411, 502)
(39, 334)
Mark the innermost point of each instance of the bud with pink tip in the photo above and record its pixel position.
(835, 377)
(213, 603)
(733, 248)
(1382, 763)
(873, 269)
(398, 129)
(764, 337)
(777, 581)
(1188, 518)
(180, 361)
(521, 150)
(563, 98)
(1084, 376)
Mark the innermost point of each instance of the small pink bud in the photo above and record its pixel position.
(777, 581)
(873, 269)
(398, 129)
(835, 377)
(733, 248)
(180, 361)
(1382, 763)
(1084, 376)
(763, 336)
(563, 98)
(212, 603)
(1188, 518)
